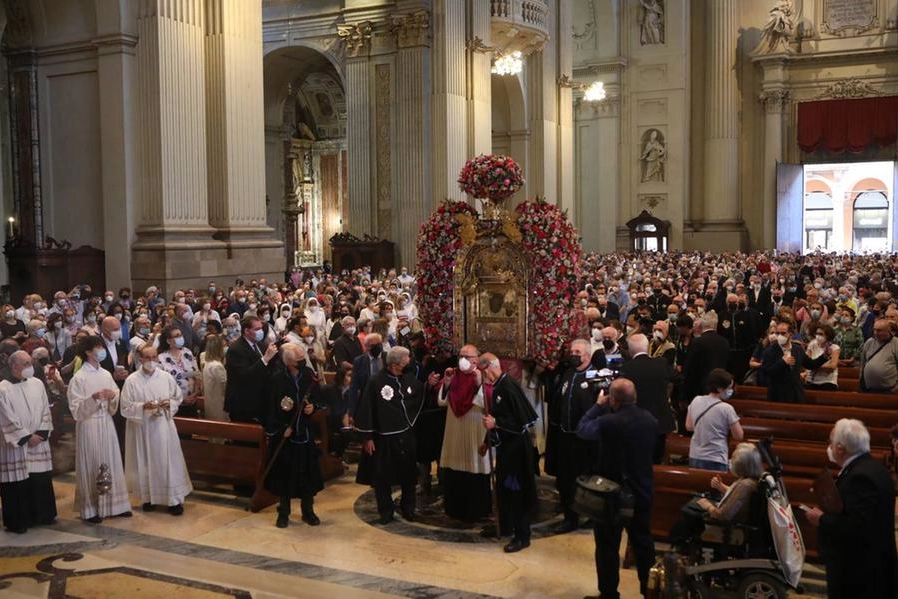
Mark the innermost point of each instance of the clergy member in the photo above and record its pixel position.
(293, 392)
(26, 487)
(93, 398)
(385, 415)
(511, 417)
(464, 472)
(154, 464)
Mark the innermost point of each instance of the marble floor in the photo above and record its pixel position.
(218, 548)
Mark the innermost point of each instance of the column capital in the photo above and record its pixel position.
(357, 38)
(776, 100)
(412, 29)
(117, 43)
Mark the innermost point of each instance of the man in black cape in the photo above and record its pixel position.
(293, 391)
(509, 422)
(385, 416)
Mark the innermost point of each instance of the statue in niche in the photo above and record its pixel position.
(651, 22)
(653, 156)
(779, 29)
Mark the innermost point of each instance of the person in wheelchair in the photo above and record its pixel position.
(739, 504)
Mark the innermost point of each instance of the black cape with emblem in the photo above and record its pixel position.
(387, 412)
(296, 471)
(515, 466)
(568, 456)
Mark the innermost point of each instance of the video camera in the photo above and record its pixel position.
(600, 380)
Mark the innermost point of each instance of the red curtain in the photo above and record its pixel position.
(852, 125)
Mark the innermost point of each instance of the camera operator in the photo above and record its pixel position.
(568, 456)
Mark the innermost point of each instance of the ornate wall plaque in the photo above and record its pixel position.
(839, 15)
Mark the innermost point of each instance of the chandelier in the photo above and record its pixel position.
(508, 64)
(595, 92)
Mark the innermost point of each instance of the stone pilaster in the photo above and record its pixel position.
(357, 39)
(116, 75)
(542, 93)
(448, 102)
(775, 102)
(480, 94)
(721, 185)
(412, 197)
(562, 39)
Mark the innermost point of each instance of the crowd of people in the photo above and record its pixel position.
(679, 329)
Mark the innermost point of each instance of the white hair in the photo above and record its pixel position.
(746, 461)
(638, 344)
(395, 354)
(852, 435)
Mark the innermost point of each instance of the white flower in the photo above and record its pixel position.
(387, 392)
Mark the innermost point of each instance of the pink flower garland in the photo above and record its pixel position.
(438, 245)
(491, 176)
(553, 247)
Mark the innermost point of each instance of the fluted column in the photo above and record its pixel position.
(235, 122)
(775, 102)
(358, 129)
(722, 112)
(449, 102)
(480, 93)
(542, 92)
(565, 126)
(171, 118)
(412, 147)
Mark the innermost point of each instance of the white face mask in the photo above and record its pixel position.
(658, 335)
(597, 334)
(726, 394)
(782, 339)
(149, 367)
(349, 330)
(28, 372)
(308, 340)
(9, 314)
(829, 454)
(771, 337)
(464, 365)
(313, 308)
(115, 335)
(821, 340)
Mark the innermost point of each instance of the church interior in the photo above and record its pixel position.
(170, 143)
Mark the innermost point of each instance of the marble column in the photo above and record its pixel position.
(542, 93)
(721, 185)
(235, 123)
(480, 94)
(565, 127)
(412, 197)
(357, 38)
(775, 102)
(449, 149)
(116, 75)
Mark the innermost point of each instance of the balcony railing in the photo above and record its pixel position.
(519, 24)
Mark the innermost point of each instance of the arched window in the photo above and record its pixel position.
(871, 222)
(818, 220)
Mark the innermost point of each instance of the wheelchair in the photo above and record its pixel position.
(727, 559)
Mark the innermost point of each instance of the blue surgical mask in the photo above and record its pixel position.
(727, 393)
(179, 342)
(101, 354)
(259, 335)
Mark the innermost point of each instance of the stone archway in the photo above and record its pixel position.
(305, 156)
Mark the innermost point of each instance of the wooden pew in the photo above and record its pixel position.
(814, 413)
(676, 485)
(242, 460)
(881, 401)
(851, 372)
(804, 431)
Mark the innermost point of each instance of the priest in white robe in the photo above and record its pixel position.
(93, 398)
(154, 464)
(26, 485)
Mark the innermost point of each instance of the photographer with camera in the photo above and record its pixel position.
(627, 434)
(567, 456)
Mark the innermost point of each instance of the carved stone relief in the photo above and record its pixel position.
(775, 100)
(652, 200)
(584, 13)
(652, 156)
(357, 38)
(779, 29)
(651, 22)
(849, 88)
(840, 17)
(412, 29)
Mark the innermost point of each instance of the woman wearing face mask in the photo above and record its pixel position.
(713, 421)
(314, 351)
(280, 324)
(12, 327)
(215, 378)
(58, 337)
(204, 314)
(827, 375)
(661, 346)
(817, 315)
(37, 332)
(849, 338)
(91, 318)
(315, 316)
(179, 362)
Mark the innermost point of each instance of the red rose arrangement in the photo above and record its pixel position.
(491, 176)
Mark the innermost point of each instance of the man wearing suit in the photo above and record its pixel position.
(759, 298)
(627, 434)
(782, 362)
(858, 543)
(364, 367)
(248, 372)
(116, 363)
(707, 351)
(652, 378)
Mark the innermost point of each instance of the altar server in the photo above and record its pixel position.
(154, 464)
